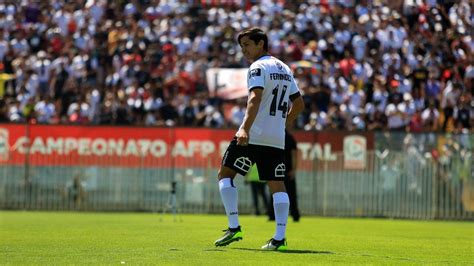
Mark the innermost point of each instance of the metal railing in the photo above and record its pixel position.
(397, 185)
(393, 184)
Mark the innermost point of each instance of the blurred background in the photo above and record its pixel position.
(103, 104)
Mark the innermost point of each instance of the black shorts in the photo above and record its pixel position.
(270, 161)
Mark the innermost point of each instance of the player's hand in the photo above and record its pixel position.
(242, 137)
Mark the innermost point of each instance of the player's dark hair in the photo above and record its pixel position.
(256, 35)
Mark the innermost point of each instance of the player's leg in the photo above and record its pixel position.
(228, 194)
(235, 160)
(281, 204)
(272, 170)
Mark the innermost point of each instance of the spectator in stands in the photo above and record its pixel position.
(463, 116)
(430, 116)
(45, 110)
(4, 77)
(449, 101)
(156, 53)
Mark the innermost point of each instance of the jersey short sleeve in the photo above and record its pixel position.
(256, 77)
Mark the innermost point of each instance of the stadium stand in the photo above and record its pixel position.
(362, 65)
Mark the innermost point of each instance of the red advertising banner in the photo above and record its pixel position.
(145, 147)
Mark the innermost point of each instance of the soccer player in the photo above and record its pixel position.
(261, 137)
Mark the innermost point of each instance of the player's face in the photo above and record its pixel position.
(250, 49)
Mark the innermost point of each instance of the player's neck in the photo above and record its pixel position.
(260, 56)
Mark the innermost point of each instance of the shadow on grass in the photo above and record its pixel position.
(290, 251)
(215, 250)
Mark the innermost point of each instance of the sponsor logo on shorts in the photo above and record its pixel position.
(243, 163)
(280, 170)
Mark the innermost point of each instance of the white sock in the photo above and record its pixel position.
(281, 205)
(229, 198)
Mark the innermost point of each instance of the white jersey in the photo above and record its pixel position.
(279, 86)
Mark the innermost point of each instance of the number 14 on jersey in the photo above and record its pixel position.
(282, 104)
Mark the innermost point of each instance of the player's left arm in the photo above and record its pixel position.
(297, 103)
(297, 106)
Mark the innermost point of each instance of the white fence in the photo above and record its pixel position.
(393, 184)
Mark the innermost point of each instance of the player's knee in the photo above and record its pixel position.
(276, 186)
(220, 174)
(225, 172)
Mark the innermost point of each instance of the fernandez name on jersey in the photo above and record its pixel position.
(279, 76)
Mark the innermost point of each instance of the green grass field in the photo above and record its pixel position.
(141, 238)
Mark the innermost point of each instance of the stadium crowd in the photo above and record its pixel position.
(367, 64)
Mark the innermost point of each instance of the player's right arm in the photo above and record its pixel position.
(253, 103)
(255, 83)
